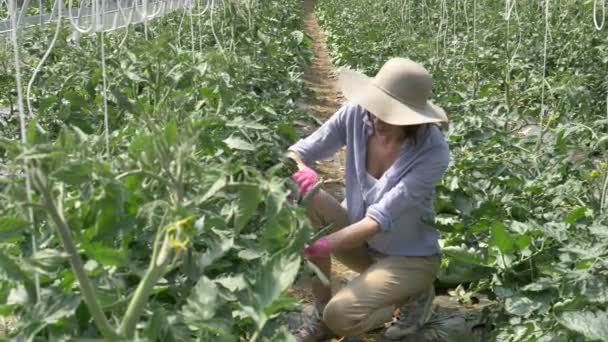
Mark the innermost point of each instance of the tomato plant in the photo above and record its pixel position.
(183, 228)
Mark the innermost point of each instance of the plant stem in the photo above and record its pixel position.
(140, 299)
(145, 287)
(88, 292)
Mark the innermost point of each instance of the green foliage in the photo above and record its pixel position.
(183, 229)
(522, 217)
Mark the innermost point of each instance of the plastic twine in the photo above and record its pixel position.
(22, 123)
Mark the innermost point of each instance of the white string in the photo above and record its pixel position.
(442, 32)
(127, 22)
(105, 82)
(402, 10)
(145, 14)
(466, 15)
(179, 28)
(51, 16)
(542, 94)
(409, 14)
(199, 21)
(40, 11)
(43, 60)
(192, 38)
(4, 3)
(454, 20)
(597, 26)
(446, 15)
(22, 119)
(217, 40)
(475, 27)
(76, 25)
(509, 5)
(23, 11)
(428, 14)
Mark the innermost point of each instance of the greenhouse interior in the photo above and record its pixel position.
(304, 170)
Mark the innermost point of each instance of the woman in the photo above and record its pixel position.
(396, 154)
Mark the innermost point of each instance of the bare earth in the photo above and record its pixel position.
(320, 79)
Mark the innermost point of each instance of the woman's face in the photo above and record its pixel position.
(384, 128)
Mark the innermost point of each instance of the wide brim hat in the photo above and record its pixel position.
(399, 94)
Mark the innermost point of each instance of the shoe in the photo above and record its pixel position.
(313, 329)
(412, 316)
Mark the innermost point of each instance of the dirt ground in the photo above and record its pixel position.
(320, 79)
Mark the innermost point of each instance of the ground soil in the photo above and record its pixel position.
(320, 78)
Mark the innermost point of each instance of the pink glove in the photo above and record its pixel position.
(306, 180)
(319, 248)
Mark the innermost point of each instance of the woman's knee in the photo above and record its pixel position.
(338, 316)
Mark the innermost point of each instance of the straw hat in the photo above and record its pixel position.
(398, 95)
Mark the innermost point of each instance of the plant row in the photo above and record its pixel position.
(168, 218)
(522, 206)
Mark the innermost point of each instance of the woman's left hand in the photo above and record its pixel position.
(318, 249)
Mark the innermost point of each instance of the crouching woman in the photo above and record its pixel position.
(395, 156)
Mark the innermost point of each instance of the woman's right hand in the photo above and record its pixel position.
(306, 178)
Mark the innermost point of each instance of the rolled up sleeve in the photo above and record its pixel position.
(326, 140)
(414, 192)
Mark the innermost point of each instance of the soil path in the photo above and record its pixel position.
(320, 79)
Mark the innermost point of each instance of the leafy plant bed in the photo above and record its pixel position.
(182, 229)
(522, 220)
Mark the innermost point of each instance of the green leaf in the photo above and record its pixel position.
(575, 215)
(540, 284)
(249, 198)
(298, 36)
(501, 238)
(134, 77)
(202, 301)
(249, 254)
(12, 271)
(217, 186)
(275, 197)
(74, 173)
(456, 272)
(263, 37)
(523, 241)
(237, 143)
(595, 289)
(288, 132)
(105, 255)
(49, 310)
(521, 306)
(12, 228)
(202, 306)
(171, 133)
(48, 259)
(461, 253)
(242, 123)
(274, 278)
(232, 283)
(31, 133)
(216, 250)
(593, 325)
(156, 323)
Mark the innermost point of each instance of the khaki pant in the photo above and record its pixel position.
(384, 283)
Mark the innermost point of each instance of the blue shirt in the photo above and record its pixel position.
(401, 201)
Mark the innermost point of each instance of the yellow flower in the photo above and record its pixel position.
(178, 233)
(594, 174)
(177, 244)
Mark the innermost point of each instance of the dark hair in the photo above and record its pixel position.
(413, 131)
